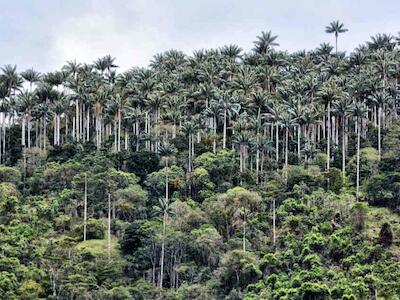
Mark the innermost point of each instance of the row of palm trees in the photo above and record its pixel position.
(258, 103)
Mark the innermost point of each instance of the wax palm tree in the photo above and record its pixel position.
(265, 42)
(212, 112)
(164, 208)
(59, 107)
(275, 111)
(287, 122)
(26, 103)
(343, 108)
(32, 77)
(260, 101)
(359, 112)
(135, 115)
(227, 108)
(380, 99)
(297, 110)
(166, 151)
(244, 140)
(231, 51)
(154, 104)
(4, 109)
(189, 128)
(335, 27)
(328, 93)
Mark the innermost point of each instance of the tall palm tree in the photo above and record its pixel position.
(359, 112)
(265, 42)
(26, 103)
(343, 108)
(275, 113)
(380, 99)
(189, 128)
(328, 93)
(335, 27)
(228, 108)
(213, 111)
(164, 208)
(135, 116)
(166, 150)
(287, 122)
(297, 111)
(244, 140)
(32, 77)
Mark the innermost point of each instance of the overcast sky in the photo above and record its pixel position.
(45, 33)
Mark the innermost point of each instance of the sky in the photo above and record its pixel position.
(44, 34)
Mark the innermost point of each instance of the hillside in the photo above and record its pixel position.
(220, 175)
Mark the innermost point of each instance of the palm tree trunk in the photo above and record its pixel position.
(336, 38)
(29, 130)
(244, 229)
(343, 147)
(277, 142)
(328, 141)
(85, 210)
(190, 154)
(224, 134)
(298, 143)
(379, 131)
(109, 228)
(77, 120)
(119, 131)
(273, 222)
(358, 161)
(163, 249)
(88, 125)
(286, 147)
(214, 134)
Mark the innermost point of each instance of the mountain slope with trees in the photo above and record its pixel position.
(219, 175)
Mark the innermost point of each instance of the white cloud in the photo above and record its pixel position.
(93, 35)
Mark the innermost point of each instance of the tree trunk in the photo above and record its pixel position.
(244, 229)
(109, 228)
(298, 143)
(343, 147)
(379, 131)
(358, 161)
(119, 131)
(214, 134)
(85, 210)
(277, 143)
(163, 249)
(224, 134)
(328, 141)
(273, 222)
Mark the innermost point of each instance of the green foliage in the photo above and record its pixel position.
(8, 174)
(386, 235)
(94, 230)
(359, 214)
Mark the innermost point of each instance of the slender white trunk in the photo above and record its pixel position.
(277, 143)
(343, 147)
(379, 131)
(298, 143)
(328, 141)
(358, 162)
(163, 249)
(85, 210)
(273, 222)
(109, 228)
(224, 134)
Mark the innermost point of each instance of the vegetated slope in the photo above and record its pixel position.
(221, 175)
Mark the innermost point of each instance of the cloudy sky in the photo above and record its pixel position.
(45, 33)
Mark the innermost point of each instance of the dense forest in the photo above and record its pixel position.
(216, 175)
